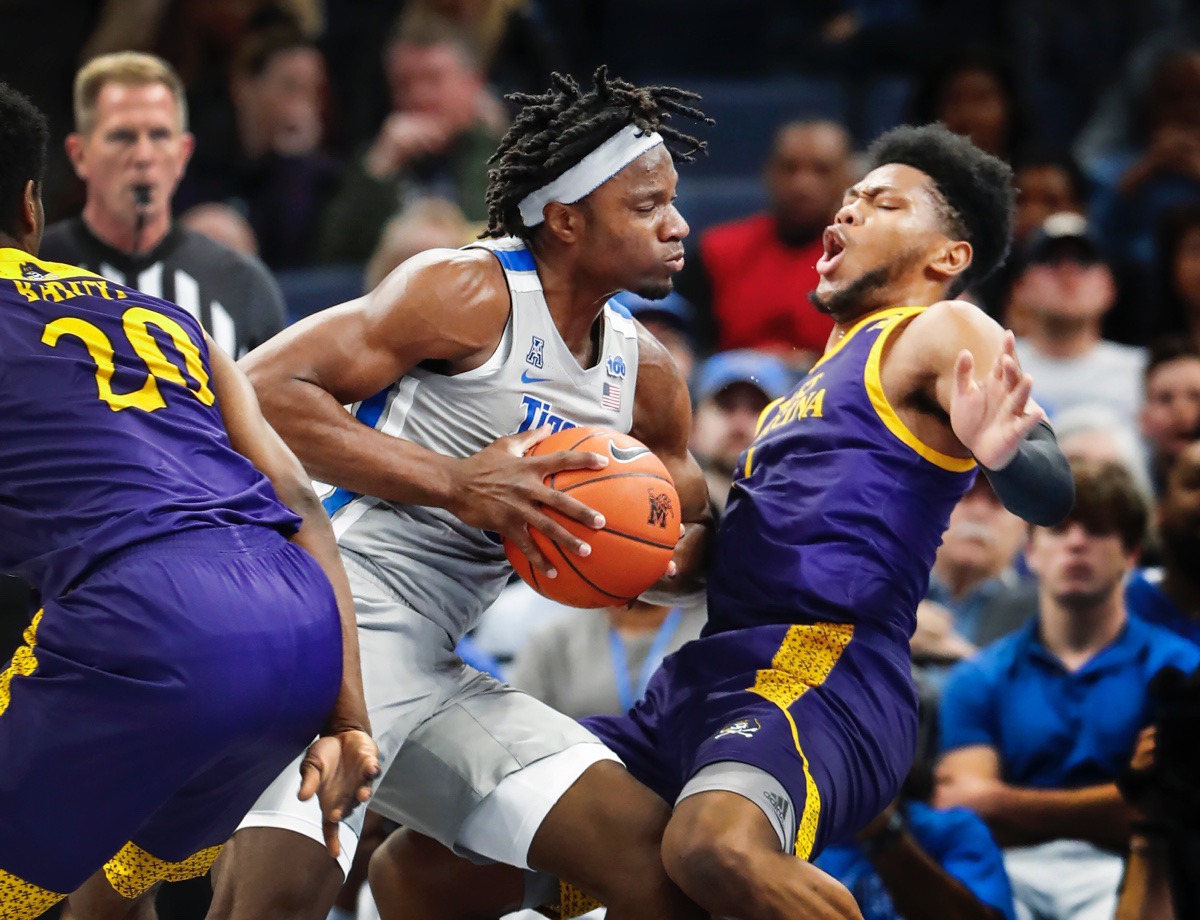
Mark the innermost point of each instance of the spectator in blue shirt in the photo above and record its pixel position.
(976, 593)
(1170, 595)
(915, 862)
(1037, 727)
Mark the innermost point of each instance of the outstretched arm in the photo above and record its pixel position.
(341, 765)
(993, 416)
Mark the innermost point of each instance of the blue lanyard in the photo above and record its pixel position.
(658, 651)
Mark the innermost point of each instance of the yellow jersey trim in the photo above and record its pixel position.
(873, 379)
(878, 316)
(22, 900)
(12, 258)
(133, 871)
(24, 663)
(805, 659)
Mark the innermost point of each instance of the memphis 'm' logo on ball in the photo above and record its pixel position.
(660, 507)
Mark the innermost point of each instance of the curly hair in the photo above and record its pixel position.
(975, 189)
(24, 135)
(556, 129)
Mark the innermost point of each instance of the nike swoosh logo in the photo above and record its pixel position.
(525, 378)
(626, 454)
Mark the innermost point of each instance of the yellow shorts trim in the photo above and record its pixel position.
(805, 659)
(574, 903)
(133, 871)
(24, 663)
(22, 900)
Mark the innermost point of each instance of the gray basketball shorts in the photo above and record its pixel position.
(467, 760)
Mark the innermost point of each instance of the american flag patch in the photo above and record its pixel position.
(612, 397)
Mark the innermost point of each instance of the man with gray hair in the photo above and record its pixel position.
(130, 147)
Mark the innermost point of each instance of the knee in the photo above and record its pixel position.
(288, 883)
(409, 874)
(704, 858)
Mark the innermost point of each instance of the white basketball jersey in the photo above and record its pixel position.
(435, 563)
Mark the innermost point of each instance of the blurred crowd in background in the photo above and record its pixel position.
(298, 150)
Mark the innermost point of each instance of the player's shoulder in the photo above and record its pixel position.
(952, 315)
(461, 292)
(17, 265)
(656, 366)
(458, 278)
(935, 335)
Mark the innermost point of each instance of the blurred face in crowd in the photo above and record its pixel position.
(1170, 417)
(1175, 95)
(1042, 190)
(435, 80)
(1079, 568)
(281, 108)
(1186, 274)
(887, 237)
(723, 425)
(806, 175)
(981, 539)
(973, 103)
(222, 223)
(136, 138)
(1069, 288)
(1179, 510)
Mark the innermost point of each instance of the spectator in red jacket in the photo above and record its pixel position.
(750, 278)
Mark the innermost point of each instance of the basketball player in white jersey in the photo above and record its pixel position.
(455, 366)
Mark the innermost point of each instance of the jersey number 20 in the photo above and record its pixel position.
(135, 320)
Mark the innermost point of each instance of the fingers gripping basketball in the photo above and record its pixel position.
(637, 498)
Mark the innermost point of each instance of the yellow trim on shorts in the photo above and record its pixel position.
(24, 663)
(805, 659)
(22, 900)
(574, 903)
(133, 871)
(872, 377)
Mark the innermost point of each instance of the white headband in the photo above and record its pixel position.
(590, 173)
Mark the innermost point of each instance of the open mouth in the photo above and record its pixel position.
(835, 247)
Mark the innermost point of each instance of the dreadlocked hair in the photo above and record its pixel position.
(556, 129)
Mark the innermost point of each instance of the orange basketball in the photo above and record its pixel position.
(641, 522)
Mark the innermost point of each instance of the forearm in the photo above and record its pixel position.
(316, 537)
(1036, 484)
(1146, 888)
(1021, 816)
(337, 448)
(690, 558)
(921, 889)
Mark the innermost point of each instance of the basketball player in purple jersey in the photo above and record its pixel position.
(792, 721)
(190, 642)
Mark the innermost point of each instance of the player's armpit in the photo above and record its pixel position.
(662, 420)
